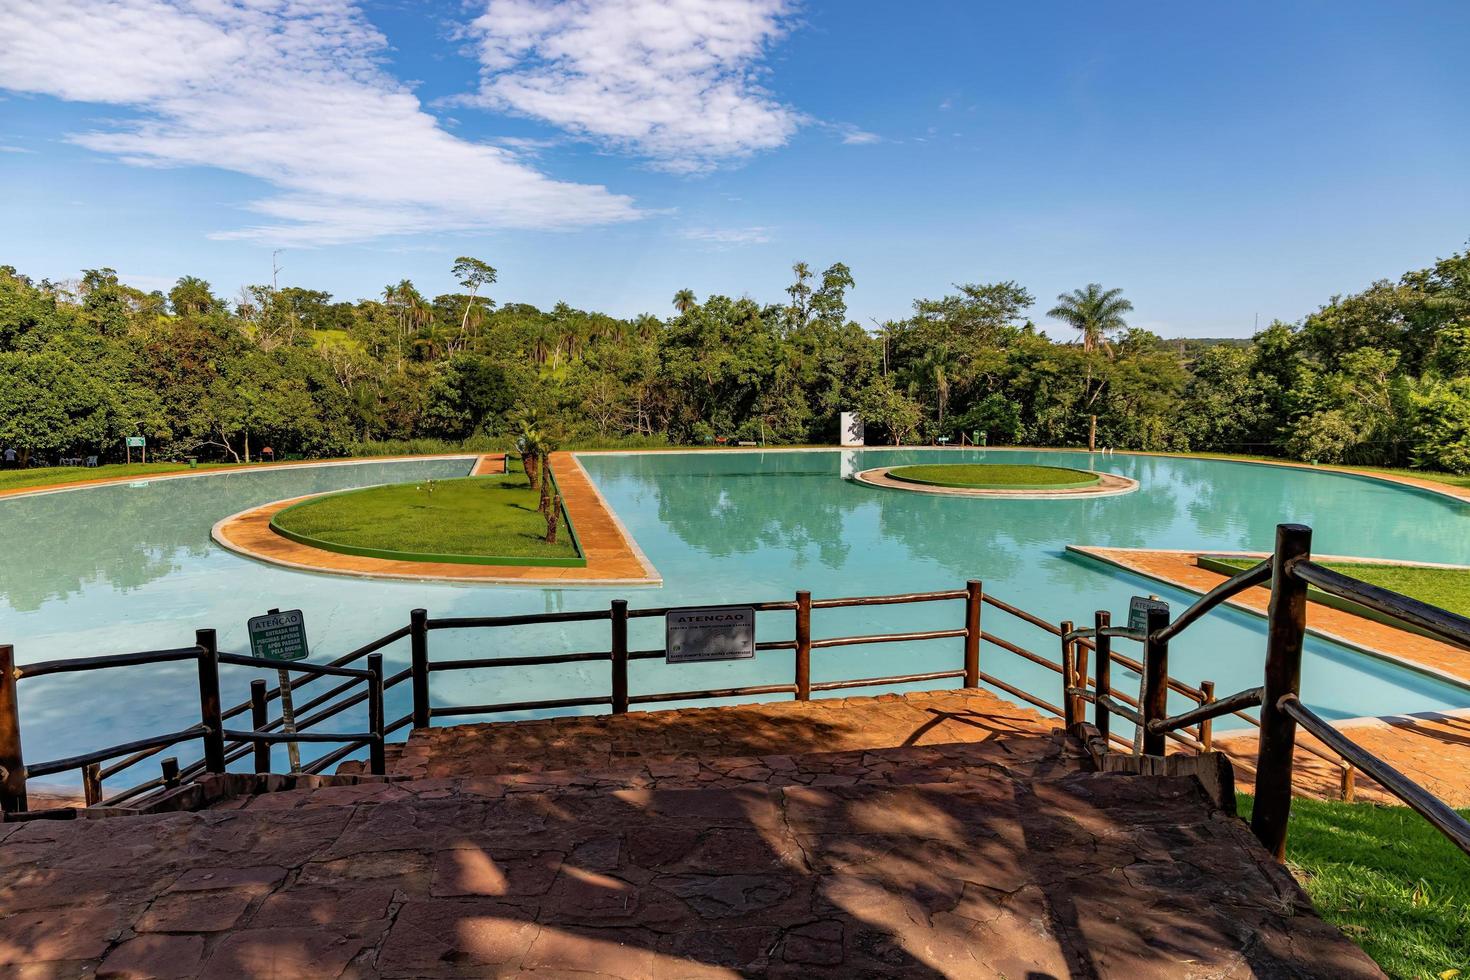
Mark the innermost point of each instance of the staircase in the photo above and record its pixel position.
(943, 834)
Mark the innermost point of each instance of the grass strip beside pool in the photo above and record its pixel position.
(1447, 588)
(1385, 877)
(58, 476)
(481, 520)
(995, 476)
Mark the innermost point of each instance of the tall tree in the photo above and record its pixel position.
(1094, 312)
(684, 301)
(472, 274)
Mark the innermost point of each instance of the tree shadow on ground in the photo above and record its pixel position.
(928, 860)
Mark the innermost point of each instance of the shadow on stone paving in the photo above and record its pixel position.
(987, 859)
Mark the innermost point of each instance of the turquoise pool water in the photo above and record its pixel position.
(130, 567)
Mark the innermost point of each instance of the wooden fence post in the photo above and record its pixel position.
(1286, 626)
(1069, 676)
(377, 757)
(1155, 681)
(92, 784)
(1207, 727)
(803, 646)
(170, 770)
(209, 706)
(1102, 717)
(259, 719)
(973, 598)
(418, 624)
(620, 656)
(12, 760)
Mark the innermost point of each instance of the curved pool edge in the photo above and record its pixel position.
(612, 558)
(108, 481)
(1107, 485)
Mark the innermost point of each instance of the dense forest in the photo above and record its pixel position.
(1380, 377)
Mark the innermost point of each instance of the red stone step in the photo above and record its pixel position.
(997, 874)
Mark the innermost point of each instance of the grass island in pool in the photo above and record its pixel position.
(476, 520)
(995, 476)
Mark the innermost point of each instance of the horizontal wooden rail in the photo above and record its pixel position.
(783, 605)
(1117, 707)
(105, 662)
(847, 641)
(1016, 692)
(1205, 712)
(727, 692)
(537, 661)
(889, 600)
(280, 737)
(1448, 626)
(527, 619)
(1022, 652)
(937, 675)
(490, 709)
(1233, 586)
(99, 755)
(295, 666)
(1416, 797)
(1020, 614)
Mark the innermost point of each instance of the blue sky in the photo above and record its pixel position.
(1218, 162)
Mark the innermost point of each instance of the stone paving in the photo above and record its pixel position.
(775, 728)
(952, 844)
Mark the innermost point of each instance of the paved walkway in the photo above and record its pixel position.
(1178, 568)
(612, 556)
(996, 856)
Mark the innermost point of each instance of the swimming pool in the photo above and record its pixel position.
(131, 567)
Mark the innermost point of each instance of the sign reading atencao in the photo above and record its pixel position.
(716, 633)
(278, 635)
(1138, 608)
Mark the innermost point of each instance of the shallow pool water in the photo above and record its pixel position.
(130, 567)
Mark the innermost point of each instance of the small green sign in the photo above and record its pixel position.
(136, 442)
(278, 635)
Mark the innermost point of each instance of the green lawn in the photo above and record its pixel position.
(478, 515)
(55, 476)
(1386, 878)
(993, 475)
(1447, 588)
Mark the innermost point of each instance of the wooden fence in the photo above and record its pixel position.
(1289, 571)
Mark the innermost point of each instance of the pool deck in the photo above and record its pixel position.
(612, 556)
(943, 834)
(1433, 748)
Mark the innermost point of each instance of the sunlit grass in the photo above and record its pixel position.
(1386, 878)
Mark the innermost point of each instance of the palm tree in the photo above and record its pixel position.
(684, 301)
(1094, 311)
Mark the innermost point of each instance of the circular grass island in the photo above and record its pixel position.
(476, 520)
(997, 480)
(995, 476)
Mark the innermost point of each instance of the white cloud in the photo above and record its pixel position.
(675, 81)
(290, 92)
(728, 237)
(860, 137)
